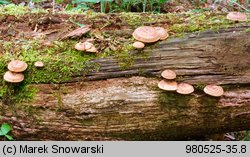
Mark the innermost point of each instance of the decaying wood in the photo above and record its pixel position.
(115, 104)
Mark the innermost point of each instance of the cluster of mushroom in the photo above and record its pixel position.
(15, 75)
(85, 46)
(16, 67)
(236, 16)
(148, 34)
(169, 84)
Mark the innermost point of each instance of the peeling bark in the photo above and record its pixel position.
(106, 105)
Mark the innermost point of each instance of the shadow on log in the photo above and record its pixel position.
(115, 104)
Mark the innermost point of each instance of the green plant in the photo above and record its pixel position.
(123, 5)
(142, 5)
(247, 137)
(103, 4)
(4, 2)
(4, 131)
(80, 5)
(83, 4)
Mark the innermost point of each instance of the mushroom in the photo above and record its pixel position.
(185, 88)
(162, 33)
(146, 34)
(13, 77)
(17, 66)
(138, 44)
(86, 46)
(214, 90)
(236, 16)
(39, 64)
(92, 49)
(167, 85)
(168, 74)
(80, 46)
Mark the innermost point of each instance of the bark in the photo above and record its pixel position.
(116, 104)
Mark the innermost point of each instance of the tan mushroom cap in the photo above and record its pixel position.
(162, 33)
(236, 16)
(88, 45)
(13, 77)
(168, 74)
(80, 46)
(214, 90)
(39, 64)
(17, 66)
(85, 46)
(146, 34)
(167, 85)
(138, 44)
(185, 88)
(92, 49)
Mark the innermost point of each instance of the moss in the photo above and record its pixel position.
(201, 22)
(86, 121)
(207, 100)
(61, 62)
(173, 100)
(31, 111)
(134, 19)
(127, 55)
(247, 30)
(124, 57)
(178, 24)
(18, 10)
(58, 96)
(16, 93)
(199, 86)
(141, 72)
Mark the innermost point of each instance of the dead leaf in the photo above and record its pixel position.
(77, 32)
(98, 34)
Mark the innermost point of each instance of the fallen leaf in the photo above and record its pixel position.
(77, 32)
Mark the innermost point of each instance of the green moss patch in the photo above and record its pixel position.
(61, 63)
(19, 10)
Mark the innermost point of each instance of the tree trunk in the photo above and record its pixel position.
(126, 104)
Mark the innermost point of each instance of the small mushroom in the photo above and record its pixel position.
(88, 45)
(236, 16)
(214, 90)
(168, 74)
(80, 46)
(85, 46)
(146, 34)
(17, 66)
(13, 77)
(39, 64)
(185, 88)
(167, 85)
(162, 33)
(92, 49)
(138, 45)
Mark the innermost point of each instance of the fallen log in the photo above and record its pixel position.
(126, 104)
